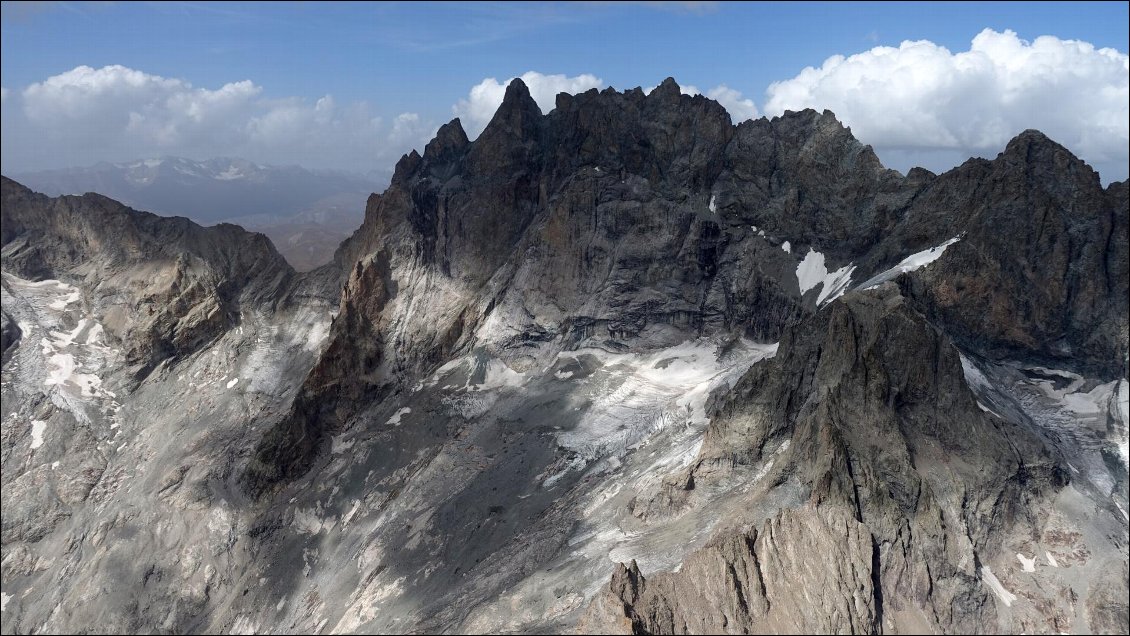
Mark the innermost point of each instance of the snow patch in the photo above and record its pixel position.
(337, 446)
(994, 584)
(37, 429)
(1105, 403)
(973, 376)
(233, 382)
(349, 515)
(915, 261)
(64, 352)
(244, 625)
(61, 303)
(763, 471)
(635, 395)
(1026, 564)
(4, 598)
(499, 375)
(577, 463)
(711, 206)
(318, 334)
(395, 419)
(812, 272)
(988, 410)
(307, 521)
(181, 168)
(231, 174)
(1051, 559)
(1122, 412)
(1091, 402)
(785, 246)
(835, 284)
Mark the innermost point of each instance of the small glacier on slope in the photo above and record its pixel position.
(910, 263)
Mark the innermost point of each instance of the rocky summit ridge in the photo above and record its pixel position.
(622, 366)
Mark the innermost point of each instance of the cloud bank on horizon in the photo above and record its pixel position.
(116, 113)
(918, 104)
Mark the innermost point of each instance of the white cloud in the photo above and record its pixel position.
(740, 109)
(476, 110)
(117, 113)
(3, 94)
(485, 97)
(921, 98)
(410, 130)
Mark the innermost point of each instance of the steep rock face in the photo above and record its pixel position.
(604, 222)
(804, 176)
(140, 354)
(587, 224)
(621, 219)
(9, 334)
(1043, 267)
(165, 285)
(894, 442)
(806, 572)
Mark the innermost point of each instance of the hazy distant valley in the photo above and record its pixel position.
(305, 213)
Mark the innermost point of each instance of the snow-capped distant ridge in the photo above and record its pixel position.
(217, 168)
(147, 171)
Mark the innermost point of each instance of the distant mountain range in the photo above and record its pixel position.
(306, 213)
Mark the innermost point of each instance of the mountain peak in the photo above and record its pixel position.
(449, 139)
(1038, 152)
(518, 116)
(1028, 138)
(517, 99)
(668, 88)
(407, 164)
(516, 90)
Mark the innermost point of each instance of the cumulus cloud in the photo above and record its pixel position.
(920, 98)
(476, 110)
(484, 98)
(117, 113)
(740, 108)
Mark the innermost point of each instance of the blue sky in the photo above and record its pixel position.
(417, 61)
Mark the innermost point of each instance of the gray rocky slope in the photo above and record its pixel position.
(305, 213)
(619, 367)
